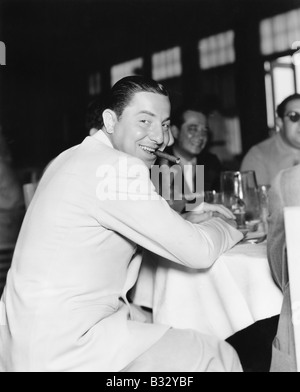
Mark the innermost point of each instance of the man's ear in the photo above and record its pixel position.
(175, 131)
(279, 124)
(109, 120)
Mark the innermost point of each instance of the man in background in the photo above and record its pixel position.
(191, 136)
(281, 151)
(11, 197)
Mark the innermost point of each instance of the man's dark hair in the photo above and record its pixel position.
(123, 91)
(177, 117)
(94, 115)
(282, 107)
(120, 97)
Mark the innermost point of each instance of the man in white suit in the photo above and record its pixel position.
(65, 304)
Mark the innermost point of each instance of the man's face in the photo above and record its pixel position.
(290, 129)
(143, 125)
(192, 137)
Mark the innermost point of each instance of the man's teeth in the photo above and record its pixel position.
(148, 149)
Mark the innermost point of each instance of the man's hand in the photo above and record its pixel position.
(207, 211)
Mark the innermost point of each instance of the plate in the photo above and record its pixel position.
(251, 238)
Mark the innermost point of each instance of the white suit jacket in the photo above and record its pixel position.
(64, 307)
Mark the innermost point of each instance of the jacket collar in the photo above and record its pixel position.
(100, 135)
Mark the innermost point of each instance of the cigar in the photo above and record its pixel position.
(169, 157)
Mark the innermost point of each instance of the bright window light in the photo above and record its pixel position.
(280, 32)
(128, 68)
(217, 50)
(167, 64)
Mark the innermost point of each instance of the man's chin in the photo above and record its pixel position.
(196, 151)
(149, 162)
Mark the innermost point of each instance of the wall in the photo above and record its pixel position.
(53, 46)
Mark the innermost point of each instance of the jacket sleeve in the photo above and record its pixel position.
(128, 204)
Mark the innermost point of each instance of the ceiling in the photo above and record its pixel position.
(81, 32)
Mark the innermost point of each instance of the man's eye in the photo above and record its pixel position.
(145, 122)
(166, 127)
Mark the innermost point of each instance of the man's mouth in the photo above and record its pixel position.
(198, 145)
(149, 150)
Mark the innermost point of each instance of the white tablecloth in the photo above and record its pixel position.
(235, 293)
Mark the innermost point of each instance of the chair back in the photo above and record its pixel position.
(292, 228)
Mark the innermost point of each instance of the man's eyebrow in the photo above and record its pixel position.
(147, 112)
(152, 114)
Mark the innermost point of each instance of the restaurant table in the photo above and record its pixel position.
(234, 293)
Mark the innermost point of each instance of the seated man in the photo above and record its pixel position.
(285, 192)
(191, 146)
(65, 304)
(281, 151)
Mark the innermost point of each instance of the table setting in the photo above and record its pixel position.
(237, 291)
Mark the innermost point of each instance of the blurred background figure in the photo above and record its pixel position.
(94, 116)
(281, 151)
(191, 137)
(225, 133)
(11, 197)
(11, 209)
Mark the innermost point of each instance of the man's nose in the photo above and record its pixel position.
(157, 135)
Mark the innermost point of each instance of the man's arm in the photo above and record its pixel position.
(141, 215)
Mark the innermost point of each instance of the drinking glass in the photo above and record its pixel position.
(240, 195)
(213, 197)
(263, 192)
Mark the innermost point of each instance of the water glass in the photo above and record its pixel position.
(213, 197)
(240, 195)
(263, 192)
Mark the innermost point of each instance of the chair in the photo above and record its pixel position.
(292, 228)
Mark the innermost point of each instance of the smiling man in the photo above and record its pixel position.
(191, 134)
(65, 305)
(146, 123)
(280, 152)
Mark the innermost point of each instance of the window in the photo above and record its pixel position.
(167, 64)
(217, 50)
(218, 86)
(95, 84)
(282, 78)
(279, 39)
(278, 34)
(132, 67)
